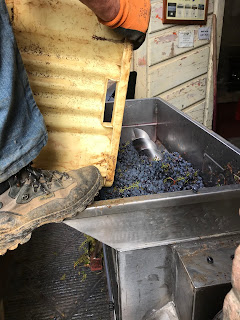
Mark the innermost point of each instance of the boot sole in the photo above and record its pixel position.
(23, 234)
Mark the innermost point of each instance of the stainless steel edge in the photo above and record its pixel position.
(126, 205)
(139, 222)
(142, 228)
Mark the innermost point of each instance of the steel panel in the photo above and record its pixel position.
(200, 286)
(143, 230)
(145, 279)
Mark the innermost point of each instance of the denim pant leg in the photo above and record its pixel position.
(22, 129)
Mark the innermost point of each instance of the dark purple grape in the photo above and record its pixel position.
(135, 175)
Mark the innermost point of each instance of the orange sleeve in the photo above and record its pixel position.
(133, 14)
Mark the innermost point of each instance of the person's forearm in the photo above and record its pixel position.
(106, 10)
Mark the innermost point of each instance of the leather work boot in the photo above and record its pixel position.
(36, 197)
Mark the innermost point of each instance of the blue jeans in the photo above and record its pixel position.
(22, 129)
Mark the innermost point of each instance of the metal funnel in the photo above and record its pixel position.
(144, 145)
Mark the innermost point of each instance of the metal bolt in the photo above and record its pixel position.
(25, 197)
(210, 260)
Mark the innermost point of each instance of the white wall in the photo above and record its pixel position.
(182, 76)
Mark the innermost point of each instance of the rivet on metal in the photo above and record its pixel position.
(210, 260)
(25, 197)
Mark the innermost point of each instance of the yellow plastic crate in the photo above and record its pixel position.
(69, 57)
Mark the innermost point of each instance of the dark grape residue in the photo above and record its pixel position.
(136, 175)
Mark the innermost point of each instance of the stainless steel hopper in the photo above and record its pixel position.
(159, 246)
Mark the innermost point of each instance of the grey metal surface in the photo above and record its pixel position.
(183, 292)
(148, 220)
(144, 145)
(140, 134)
(128, 224)
(142, 229)
(147, 147)
(109, 283)
(203, 276)
(202, 273)
(145, 281)
(111, 256)
(140, 112)
(192, 140)
(178, 132)
(168, 312)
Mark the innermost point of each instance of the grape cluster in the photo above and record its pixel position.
(136, 175)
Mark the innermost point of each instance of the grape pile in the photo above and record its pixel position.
(136, 175)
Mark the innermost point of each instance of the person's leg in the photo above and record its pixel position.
(22, 128)
(30, 197)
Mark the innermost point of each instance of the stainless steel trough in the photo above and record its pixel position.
(172, 249)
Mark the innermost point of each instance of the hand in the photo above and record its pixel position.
(106, 10)
(132, 20)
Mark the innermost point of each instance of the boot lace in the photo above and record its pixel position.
(38, 179)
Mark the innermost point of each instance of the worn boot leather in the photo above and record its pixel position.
(37, 197)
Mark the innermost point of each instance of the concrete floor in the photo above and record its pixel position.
(43, 284)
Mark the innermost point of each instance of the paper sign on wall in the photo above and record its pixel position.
(204, 33)
(186, 39)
